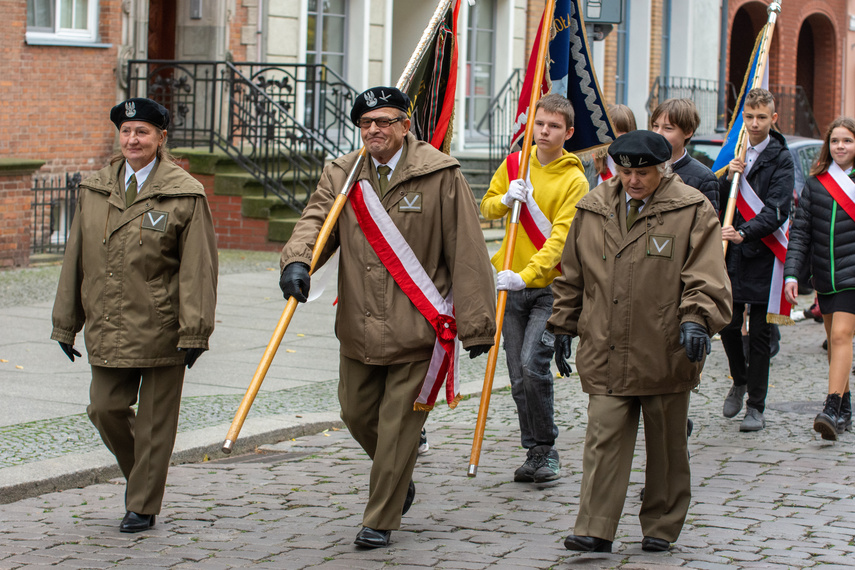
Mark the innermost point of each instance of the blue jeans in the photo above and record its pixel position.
(529, 349)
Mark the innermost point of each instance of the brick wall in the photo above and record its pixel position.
(15, 213)
(233, 230)
(656, 29)
(829, 20)
(56, 99)
(242, 30)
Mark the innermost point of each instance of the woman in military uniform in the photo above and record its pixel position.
(140, 271)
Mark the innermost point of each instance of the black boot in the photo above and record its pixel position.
(844, 420)
(825, 422)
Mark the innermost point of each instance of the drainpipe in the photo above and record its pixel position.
(721, 125)
(259, 32)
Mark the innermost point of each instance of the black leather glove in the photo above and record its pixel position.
(695, 339)
(295, 281)
(563, 351)
(69, 350)
(190, 355)
(478, 350)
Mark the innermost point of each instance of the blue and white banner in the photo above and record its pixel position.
(728, 149)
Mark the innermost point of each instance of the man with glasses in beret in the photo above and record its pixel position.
(643, 286)
(413, 271)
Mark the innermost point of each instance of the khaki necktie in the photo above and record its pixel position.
(634, 205)
(131, 192)
(383, 171)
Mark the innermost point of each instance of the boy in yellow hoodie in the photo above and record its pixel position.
(555, 183)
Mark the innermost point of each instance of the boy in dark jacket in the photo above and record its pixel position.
(677, 120)
(768, 169)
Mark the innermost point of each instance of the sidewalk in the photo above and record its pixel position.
(779, 498)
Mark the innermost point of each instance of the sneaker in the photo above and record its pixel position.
(550, 469)
(534, 459)
(423, 443)
(733, 401)
(753, 420)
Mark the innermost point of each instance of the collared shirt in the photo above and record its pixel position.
(141, 175)
(627, 197)
(753, 152)
(393, 162)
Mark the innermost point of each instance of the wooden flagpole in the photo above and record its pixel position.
(320, 243)
(741, 146)
(513, 224)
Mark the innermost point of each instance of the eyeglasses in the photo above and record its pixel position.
(381, 122)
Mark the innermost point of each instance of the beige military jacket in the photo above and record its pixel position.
(625, 293)
(142, 279)
(434, 209)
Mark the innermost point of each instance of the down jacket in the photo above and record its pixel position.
(143, 279)
(376, 322)
(823, 239)
(750, 263)
(625, 294)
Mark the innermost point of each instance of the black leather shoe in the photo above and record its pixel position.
(134, 522)
(587, 544)
(411, 494)
(370, 538)
(653, 544)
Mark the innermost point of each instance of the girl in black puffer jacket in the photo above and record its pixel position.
(823, 236)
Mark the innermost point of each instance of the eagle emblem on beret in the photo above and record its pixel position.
(130, 109)
(370, 99)
(625, 162)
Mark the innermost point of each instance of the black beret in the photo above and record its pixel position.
(377, 98)
(637, 149)
(140, 109)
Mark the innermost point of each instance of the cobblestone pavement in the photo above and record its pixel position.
(779, 498)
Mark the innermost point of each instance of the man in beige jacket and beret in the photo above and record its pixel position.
(414, 277)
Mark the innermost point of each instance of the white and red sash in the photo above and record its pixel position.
(611, 170)
(749, 205)
(401, 262)
(535, 223)
(840, 186)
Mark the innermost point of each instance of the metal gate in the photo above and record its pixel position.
(54, 202)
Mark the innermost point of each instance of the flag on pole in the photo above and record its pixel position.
(433, 85)
(728, 149)
(568, 72)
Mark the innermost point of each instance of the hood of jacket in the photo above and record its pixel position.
(560, 165)
(166, 179)
(422, 159)
(666, 197)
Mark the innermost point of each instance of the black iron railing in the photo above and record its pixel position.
(703, 92)
(795, 113)
(54, 202)
(279, 122)
(498, 122)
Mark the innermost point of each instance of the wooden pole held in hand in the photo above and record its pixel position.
(513, 224)
(741, 145)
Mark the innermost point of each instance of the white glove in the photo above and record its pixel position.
(509, 281)
(517, 190)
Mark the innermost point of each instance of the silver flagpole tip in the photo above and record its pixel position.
(227, 446)
(473, 470)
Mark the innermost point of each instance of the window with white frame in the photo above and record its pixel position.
(62, 21)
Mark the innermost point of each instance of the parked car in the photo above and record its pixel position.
(804, 150)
